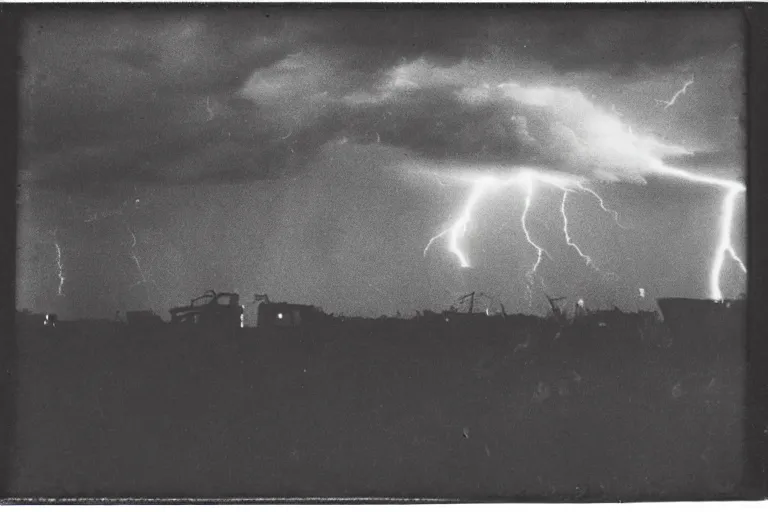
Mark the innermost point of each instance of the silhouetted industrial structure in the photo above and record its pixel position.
(211, 309)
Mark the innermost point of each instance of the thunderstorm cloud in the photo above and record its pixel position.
(283, 148)
(129, 96)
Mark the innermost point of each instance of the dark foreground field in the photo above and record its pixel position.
(378, 409)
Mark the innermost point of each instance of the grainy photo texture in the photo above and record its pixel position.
(381, 252)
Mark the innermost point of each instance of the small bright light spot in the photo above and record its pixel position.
(580, 302)
(279, 316)
(642, 292)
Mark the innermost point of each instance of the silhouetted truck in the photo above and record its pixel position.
(218, 310)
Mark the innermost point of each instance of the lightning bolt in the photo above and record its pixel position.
(459, 228)
(672, 101)
(528, 179)
(525, 179)
(612, 144)
(602, 204)
(59, 270)
(587, 259)
(135, 258)
(724, 245)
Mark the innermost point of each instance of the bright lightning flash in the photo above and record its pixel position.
(724, 245)
(526, 179)
(459, 228)
(606, 145)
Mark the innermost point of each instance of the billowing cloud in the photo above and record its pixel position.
(443, 114)
(127, 96)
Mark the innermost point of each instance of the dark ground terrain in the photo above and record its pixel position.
(379, 408)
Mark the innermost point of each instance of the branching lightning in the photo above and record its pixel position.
(604, 143)
(525, 178)
(672, 101)
(602, 204)
(724, 245)
(459, 228)
(587, 259)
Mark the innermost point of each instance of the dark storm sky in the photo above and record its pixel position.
(277, 151)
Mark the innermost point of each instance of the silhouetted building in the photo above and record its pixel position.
(282, 314)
